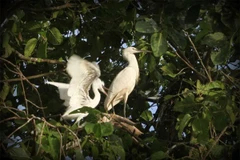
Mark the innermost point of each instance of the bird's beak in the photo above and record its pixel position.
(139, 51)
(102, 89)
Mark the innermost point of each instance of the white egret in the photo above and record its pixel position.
(124, 83)
(83, 75)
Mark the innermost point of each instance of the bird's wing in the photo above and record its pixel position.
(123, 82)
(82, 73)
(62, 88)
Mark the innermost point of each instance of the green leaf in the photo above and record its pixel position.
(178, 38)
(31, 26)
(158, 44)
(54, 36)
(78, 154)
(106, 129)
(210, 88)
(95, 151)
(186, 104)
(54, 144)
(4, 92)
(183, 123)
(19, 153)
(118, 151)
(214, 39)
(89, 127)
(147, 26)
(97, 130)
(30, 46)
(147, 115)
(89, 110)
(200, 130)
(6, 38)
(159, 155)
(169, 69)
(221, 55)
(220, 120)
(42, 50)
(151, 63)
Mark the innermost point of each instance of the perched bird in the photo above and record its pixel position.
(124, 83)
(84, 75)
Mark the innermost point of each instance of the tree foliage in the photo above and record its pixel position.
(186, 102)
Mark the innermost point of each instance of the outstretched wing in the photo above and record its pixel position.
(62, 88)
(82, 74)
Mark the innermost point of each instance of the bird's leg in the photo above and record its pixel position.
(125, 104)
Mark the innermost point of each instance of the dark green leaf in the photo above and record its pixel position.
(54, 36)
(151, 63)
(214, 39)
(158, 44)
(200, 129)
(31, 26)
(159, 155)
(183, 123)
(89, 127)
(42, 50)
(178, 38)
(221, 56)
(147, 26)
(106, 129)
(30, 46)
(19, 153)
(187, 104)
(4, 92)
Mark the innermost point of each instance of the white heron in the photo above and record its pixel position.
(84, 75)
(124, 83)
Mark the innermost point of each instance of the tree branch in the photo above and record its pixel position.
(39, 60)
(195, 49)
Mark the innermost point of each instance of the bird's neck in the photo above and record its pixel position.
(96, 97)
(132, 62)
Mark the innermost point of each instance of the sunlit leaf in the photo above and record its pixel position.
(30, 46)
(158, 44)
(54, 36)
(169, 69)
(147, 115)
(183, 123)
(147, 26)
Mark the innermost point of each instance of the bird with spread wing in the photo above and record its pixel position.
(84, 75)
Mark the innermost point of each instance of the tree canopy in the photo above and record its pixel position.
(186, 104)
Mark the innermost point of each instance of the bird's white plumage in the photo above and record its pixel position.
(124, 83)
(83, 75)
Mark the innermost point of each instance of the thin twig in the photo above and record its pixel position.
(215, 142)
(185, 61)
(16, 130)
(195, 49)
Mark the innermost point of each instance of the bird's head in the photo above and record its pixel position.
(131, 50)
(99, 85)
